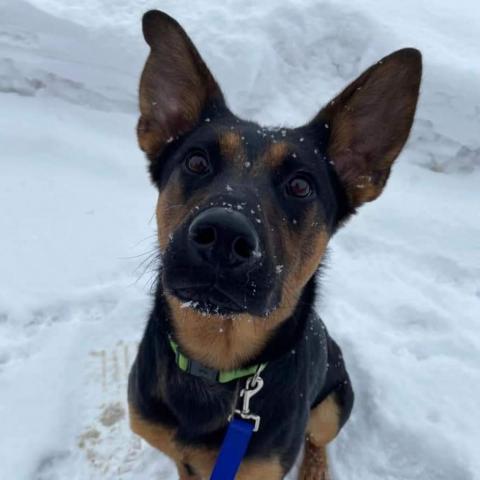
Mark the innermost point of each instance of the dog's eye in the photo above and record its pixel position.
(197, 163)
(299, 187)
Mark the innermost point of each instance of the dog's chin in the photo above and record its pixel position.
(214, 300)
(209, 301)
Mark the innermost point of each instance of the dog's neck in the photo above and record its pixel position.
(224, 343)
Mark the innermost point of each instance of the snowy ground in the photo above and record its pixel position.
(402, 294)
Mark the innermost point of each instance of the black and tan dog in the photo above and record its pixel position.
(244, 217)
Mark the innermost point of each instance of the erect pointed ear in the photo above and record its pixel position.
(370, 122)
(175, 86)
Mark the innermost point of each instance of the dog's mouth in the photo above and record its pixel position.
(209, 299)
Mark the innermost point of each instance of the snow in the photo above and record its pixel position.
(402, 291)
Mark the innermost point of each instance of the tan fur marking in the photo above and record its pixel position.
(260, 470)
(275, 155)
(322, 428)
(171, 212)
(201, 460)
(304, 250)
(303, 266)
(315, 464)
(218, 341)
(162, 438)
(230, 145)
(324, 422)
(156, 435)
(184, 475)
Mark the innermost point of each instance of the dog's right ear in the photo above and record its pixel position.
(175, 86)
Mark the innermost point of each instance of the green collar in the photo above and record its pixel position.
(221, 376)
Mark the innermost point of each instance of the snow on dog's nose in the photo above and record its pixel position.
(224, 238)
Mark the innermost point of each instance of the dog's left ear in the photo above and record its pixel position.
(175, 86)
(370, 122)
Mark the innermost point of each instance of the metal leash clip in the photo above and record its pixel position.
(252, 386)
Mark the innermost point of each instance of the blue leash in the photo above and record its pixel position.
(239, 433)
(233, 449)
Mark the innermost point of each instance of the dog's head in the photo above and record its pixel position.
(245, 213)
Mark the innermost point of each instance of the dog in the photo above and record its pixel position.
(244, 217)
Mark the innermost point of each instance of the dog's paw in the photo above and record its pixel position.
(314, 465)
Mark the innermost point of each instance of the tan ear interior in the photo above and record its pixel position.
(175, 85)
(370, 122)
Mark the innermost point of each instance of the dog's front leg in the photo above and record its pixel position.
(161, 438)
(314, 465)
(322, 428)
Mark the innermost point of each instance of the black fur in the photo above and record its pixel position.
(305, 365)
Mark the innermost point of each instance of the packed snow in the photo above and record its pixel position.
(77, 235)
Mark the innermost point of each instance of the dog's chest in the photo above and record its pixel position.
(200, 407)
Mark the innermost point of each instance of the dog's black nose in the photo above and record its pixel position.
(224, 237)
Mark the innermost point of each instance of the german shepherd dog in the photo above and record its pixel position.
(244, 217)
